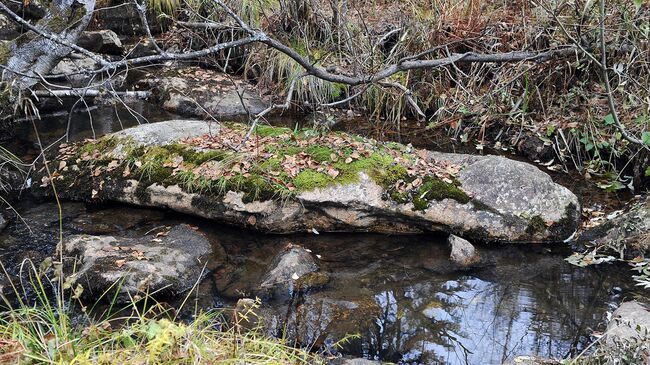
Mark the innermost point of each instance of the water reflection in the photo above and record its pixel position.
(399, 293)
(96, 122)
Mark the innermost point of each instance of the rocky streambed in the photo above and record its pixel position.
(396, 298)
(153, 201)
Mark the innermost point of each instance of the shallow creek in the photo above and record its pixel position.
(400, 294)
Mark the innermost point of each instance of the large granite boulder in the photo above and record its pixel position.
(74, 70)
(169, 264)
(283, 181)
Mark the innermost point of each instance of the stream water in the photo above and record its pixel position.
(398, 294)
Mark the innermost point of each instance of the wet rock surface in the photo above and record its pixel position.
(462, 252)
(535, 149)
(629, 230)
(171, 264)
(291, 270)
(506, 200)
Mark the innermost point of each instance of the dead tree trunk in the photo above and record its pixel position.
(34, 54)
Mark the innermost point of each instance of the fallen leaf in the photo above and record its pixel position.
(333, 173)
(120, 263)
(252, 220)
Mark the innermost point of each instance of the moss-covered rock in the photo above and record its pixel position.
(281, 180)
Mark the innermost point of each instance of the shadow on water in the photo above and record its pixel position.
(400, 294)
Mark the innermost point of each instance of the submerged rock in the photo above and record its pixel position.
(629, 231)
(293, 269)
(245, 314)
(629, 323)
(107, 221)
(321, 321)
(171, 264)
(462, 252)
(281, 181)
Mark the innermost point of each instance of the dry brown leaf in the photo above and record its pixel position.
(252, 220)
(332, 172)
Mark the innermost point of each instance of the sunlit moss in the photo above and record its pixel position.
(435, 189)
(309, 180)
(268, 131)
(266, 177)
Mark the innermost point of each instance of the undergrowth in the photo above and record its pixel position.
(57, 328)
(560, 101)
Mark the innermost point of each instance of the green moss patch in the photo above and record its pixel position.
(535, 225)
(436, 189)
(275, 163)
